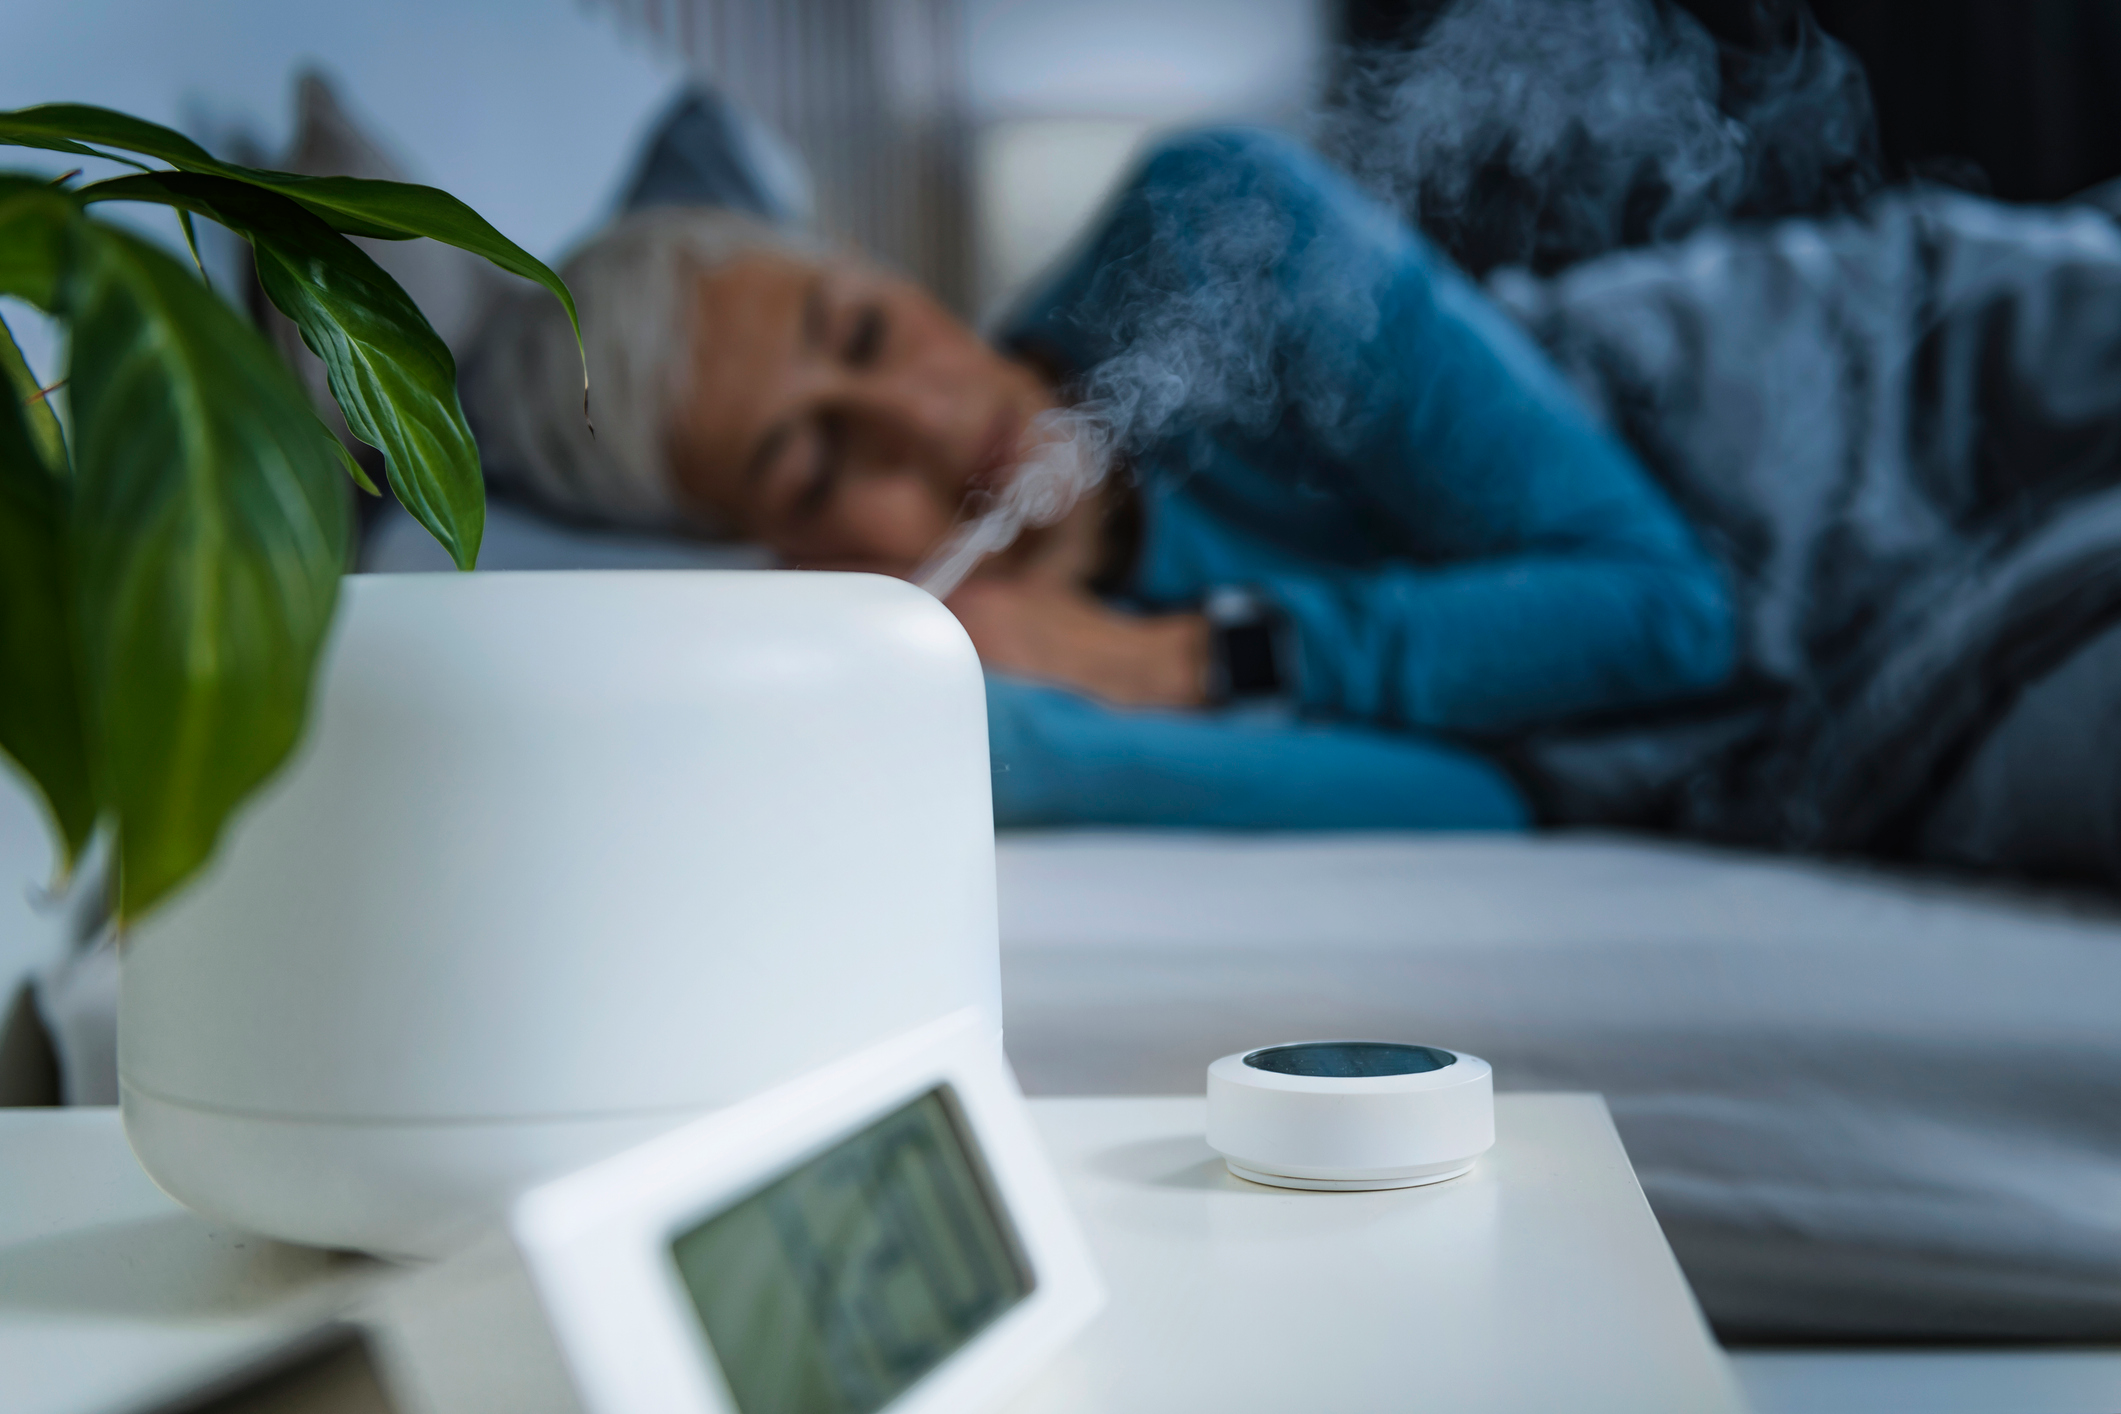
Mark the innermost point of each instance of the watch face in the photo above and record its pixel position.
(842, 1282)
(1248, 660)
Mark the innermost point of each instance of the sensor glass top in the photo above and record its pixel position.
(1349, 1059)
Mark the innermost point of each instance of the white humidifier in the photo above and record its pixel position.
(564, 860)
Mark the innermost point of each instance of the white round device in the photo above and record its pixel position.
(1350, 1114)
(565, 861)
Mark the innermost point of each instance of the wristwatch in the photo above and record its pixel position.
(1244, 647)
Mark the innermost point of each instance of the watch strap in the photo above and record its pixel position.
(1244, 646)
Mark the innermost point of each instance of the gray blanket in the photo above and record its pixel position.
(1901, 432)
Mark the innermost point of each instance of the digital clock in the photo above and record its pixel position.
(882, 1234)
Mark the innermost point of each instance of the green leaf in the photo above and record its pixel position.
(56, 144)
(64, 127)
(353, 468)
(34, 218)
(401, 210)
(391, 373)
(35, 409)
(209, 531)
(40, 706)
(191, 243)
(355, 205)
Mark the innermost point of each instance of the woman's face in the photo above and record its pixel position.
(842, 417)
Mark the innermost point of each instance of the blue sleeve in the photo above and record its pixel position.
(1501, 645)
(1523, 567)
(1546, 575)
(1060, 759)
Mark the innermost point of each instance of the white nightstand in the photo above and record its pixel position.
(1540, 1281)
(112, 1296)
(1537, 1282)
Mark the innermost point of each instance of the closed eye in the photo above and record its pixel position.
(824, 474)
(867, 339)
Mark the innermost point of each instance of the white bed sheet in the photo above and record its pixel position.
(1864, 1106)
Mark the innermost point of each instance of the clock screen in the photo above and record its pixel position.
(839, 1284)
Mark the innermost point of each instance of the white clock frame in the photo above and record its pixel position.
(596, 1244)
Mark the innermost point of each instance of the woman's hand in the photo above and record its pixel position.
(1037, 628)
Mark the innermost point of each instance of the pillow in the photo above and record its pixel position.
(705, 151)
(701, 151)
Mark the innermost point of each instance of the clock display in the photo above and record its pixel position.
(845, 1280)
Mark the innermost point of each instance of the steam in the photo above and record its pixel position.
(1516, 132)
(1195, 339)
(1540, 132)
(1069, 464)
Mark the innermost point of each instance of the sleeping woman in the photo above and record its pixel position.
(1367, 559)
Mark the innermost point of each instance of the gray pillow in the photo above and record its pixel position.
(705, 151)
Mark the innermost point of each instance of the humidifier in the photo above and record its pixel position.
(563, 862)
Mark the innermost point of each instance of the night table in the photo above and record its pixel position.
(1539, 1281)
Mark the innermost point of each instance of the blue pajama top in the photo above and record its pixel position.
(1342, 423)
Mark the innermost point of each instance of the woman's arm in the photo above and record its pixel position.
(1500, 645)
(1525, 566)
(1549, 575)
(1406, 648)
(1060, 759)
(1059, 633)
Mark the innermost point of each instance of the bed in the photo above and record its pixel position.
(1864, 1106)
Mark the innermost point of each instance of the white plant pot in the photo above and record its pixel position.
(564, 860)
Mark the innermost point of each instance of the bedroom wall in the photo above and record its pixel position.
(1140, 58)
(1064, 94)
(527, 109)
(521, 107)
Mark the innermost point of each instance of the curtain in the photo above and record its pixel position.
(870, 92)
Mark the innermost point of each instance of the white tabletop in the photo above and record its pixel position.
(1540, 1281)
(111, 1295)
(1537, 1282)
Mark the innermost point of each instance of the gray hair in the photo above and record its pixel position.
(522, 379)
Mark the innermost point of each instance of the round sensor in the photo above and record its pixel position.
(1344, 1059)
(1350, 1114)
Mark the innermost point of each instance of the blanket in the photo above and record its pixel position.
(1900, 430)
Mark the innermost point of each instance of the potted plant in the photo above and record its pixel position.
(169, 571)
(563, 860)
